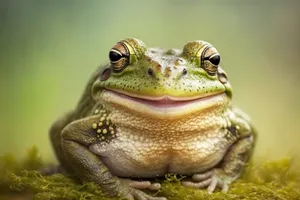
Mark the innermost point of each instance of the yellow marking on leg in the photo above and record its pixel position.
(94, 125)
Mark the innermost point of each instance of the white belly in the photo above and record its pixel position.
(136, 157)
(149, 147)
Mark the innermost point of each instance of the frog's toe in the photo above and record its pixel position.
(217, 182)
(140, 195)
(134, 190)
(198, 185)
(211, 180)
(144, 185)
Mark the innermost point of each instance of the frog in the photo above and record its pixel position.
(151, 112)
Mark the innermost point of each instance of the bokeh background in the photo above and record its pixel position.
(48, 50)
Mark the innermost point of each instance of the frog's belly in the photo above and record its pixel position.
(137, 159)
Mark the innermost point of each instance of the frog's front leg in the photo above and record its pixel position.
(234, 160)
(76, 139)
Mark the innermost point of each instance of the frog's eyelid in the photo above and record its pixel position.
(212, 55)
(203, 53)
(127, 49)
(127, 52)
(203, 57)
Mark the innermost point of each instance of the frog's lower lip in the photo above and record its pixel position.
(164, 105)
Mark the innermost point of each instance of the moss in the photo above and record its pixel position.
(271, 180)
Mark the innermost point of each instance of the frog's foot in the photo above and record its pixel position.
(212, 179)
(132, 190)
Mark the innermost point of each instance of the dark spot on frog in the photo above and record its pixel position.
(184, 72)
(150, 72)
(232, 128)
(233, 131)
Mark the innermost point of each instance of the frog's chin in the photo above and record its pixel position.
(164, 106)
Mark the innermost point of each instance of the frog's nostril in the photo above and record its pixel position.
(184, 71)
(150, 72)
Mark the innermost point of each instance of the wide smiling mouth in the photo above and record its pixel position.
(162, 106)
(164, 101)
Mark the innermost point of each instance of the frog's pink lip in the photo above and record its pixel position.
(164, 101)
(163, 107)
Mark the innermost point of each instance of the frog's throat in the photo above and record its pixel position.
(164, 106)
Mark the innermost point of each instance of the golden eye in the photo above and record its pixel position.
(119, 57)
(210, 60)
(126, 52)
(203, 55)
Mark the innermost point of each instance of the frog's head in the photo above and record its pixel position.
(162, 82)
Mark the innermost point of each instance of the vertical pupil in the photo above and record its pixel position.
(114, 56)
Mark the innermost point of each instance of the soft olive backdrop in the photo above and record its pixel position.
(48, 49)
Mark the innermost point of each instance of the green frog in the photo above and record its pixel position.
(151, 112)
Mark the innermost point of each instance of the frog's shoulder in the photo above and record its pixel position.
(86, 102)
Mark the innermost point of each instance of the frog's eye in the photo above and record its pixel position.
(204, 55)
(210, 63)
(210, 59)
(119, 57)
(126, 52)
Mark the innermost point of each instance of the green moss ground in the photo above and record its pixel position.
(20, 181)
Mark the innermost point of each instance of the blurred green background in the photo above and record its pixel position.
(48, 50)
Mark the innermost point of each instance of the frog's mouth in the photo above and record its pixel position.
(164, 105)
